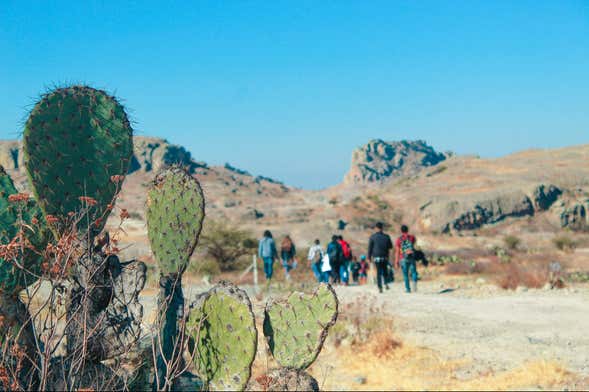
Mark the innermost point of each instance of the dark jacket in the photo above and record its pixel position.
(379, 245)
(334, 250)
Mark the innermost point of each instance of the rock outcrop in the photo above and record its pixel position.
(149, 154)
(545, 195)
(378, 160)
(575, 216)
(472, 213)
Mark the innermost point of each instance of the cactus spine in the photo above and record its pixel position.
(76, 140)
(224, 329)
(175, 213)
(295, 330)
(77, 147)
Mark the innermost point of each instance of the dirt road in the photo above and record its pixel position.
(498, 331)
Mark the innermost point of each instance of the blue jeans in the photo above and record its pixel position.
(343, 273)
(268, 267)
(316, 271)
(408, 266)
(324, 277)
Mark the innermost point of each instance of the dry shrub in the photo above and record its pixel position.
(514, 275)
(383, 344)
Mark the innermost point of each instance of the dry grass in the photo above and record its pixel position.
(407, 367)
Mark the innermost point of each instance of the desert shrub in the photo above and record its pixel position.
(204, 267)
(226, 244)
(564, 243)
(511, 242)
(578, 277)
(515, 275)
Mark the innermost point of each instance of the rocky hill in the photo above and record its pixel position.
(379, 161)
(397, 182)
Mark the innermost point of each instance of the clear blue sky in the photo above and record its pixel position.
(288, 89)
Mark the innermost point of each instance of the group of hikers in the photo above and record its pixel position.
(337, 262)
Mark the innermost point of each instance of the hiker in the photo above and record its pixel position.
(344, 271)
(379, 247)
(325, 269)
(315, 259)
(363, 271)
(288, 253)
(267, 252)
(355, 270)
(334, 251)
(405, 256)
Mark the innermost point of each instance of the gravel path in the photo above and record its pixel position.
(499, 330)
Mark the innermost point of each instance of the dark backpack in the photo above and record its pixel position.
(407, 247)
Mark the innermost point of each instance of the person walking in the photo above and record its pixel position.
(267, 252)
(315, 258)
(334, 251)
(405, 256)
(379, 247)
(363, 270)
(344, 270)
(288, 253)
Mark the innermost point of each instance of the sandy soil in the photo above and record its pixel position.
(499, 331)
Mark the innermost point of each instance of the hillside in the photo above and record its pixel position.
(433, 192)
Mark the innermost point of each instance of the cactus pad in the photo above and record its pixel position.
(296, 328)
(175, 212)
(223, 327)
(36, 234)
(75, 140)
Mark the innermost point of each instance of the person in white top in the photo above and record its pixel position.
(315, 258)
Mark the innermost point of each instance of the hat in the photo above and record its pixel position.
(363, 257)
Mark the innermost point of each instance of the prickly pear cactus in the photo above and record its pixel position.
(296, 328)
(175, 212)
(225, 334)
(77, 143)
(36, 234)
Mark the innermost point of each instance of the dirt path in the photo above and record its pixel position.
(498, 332)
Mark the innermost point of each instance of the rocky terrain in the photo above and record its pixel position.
(435, 193)
(380, 161)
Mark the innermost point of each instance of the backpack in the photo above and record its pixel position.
(332, 251)
(346, 250)
(407, 245)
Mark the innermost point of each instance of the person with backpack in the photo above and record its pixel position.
(355, 270)
(405, 256)
(334, 251)
(267, 252)
(344, 271)
(379, 247)
(363, 271)
(315, 258)
(288, 253)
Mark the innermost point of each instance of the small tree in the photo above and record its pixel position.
(226, 244)
(511, 241)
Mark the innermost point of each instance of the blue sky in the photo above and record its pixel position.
(288, 89)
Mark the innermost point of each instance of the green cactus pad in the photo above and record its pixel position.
(13, 278)
(175, 212)
(224, 330)
(75, 140)
(296, 328)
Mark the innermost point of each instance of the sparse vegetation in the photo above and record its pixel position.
(226, 244)
(511, 242)
(564, 243)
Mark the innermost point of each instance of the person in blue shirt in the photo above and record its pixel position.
(267, 252)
